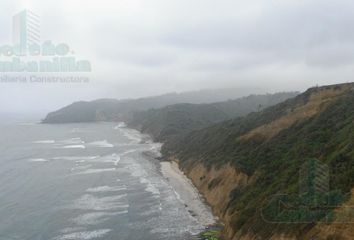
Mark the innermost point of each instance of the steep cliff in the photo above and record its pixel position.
(283, 173)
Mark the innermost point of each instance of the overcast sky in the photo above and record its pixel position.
(147, 47)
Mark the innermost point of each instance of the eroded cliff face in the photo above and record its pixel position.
(216, 184)
(342, 228)
(260, 156)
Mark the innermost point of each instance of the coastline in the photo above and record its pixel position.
(185, 190)
(188, 194)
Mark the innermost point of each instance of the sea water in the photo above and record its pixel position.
(86, 181)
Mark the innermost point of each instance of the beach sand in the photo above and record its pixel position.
(188, 194)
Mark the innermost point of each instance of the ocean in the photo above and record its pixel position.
(86, 181)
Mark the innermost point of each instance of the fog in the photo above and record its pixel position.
(147, 47)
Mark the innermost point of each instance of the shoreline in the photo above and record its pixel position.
(188, 194)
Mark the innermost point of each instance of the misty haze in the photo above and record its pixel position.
(176, 120)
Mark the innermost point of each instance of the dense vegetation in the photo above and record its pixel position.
(327, 137)
(218, 134)
(113, 110)
(175, 120)
(213, 234)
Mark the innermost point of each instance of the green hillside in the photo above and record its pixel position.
(270, 147)
(114, 110)
(175, 120)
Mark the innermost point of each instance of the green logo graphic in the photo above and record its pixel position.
(29, 54)
(314, 203)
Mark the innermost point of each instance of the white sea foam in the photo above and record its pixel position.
(102, 144)
(72, 229)
(82, 167)
(97, 170)
(156, 149)
(75, 130)
(90, 202)
(38, 160)
(137, 171)
(94, 218)
(120, 125)
(45, 141)
(78, 159)
(87, 235)
(75, 146)
(128, 152)
(106, 189)
(177, 195)
(150, 187)
(72, 141)
(116, 160)
(132, 135)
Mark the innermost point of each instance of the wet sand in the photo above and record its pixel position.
(187, 193)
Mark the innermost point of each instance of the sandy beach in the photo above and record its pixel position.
(187, 193)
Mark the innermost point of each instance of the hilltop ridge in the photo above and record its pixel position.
(113, 109)
(240, 164)
(175, 120)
